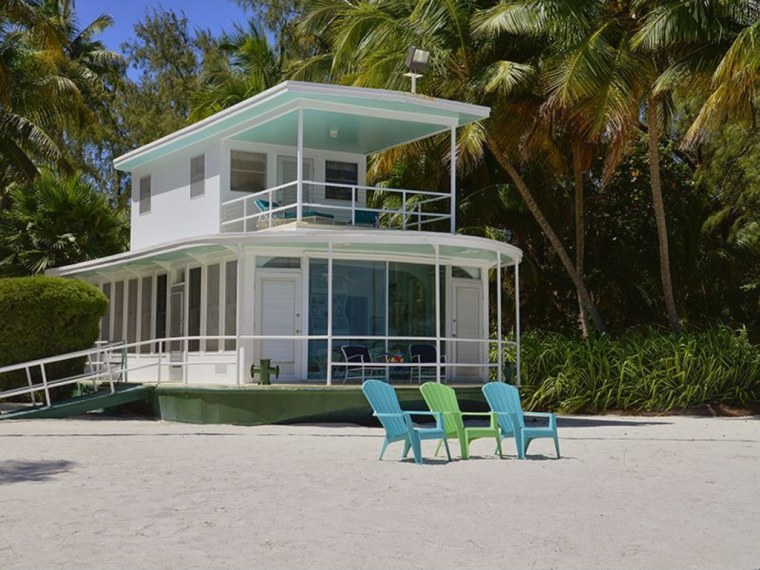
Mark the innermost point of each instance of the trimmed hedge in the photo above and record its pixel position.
(644, 371)
(45, 316)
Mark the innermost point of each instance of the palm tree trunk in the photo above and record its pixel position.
(580, 244)
(549, 232)
(659, 214)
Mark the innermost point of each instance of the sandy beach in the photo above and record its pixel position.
(665, 492)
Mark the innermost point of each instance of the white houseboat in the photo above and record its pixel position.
(254, 235)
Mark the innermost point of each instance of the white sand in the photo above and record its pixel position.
(669, 492)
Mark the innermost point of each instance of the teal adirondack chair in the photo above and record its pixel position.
(442, 398)
(504, 401)
(398, 423)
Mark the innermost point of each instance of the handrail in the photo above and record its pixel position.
(58, 358)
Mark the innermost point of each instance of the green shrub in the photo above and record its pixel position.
(45, 316)
(647, 371)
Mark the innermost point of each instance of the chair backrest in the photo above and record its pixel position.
(442, 398)
(263, 205)
(424, 353)
(382, 397)
(356, 353)
(504, 398)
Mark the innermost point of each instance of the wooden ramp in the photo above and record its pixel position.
(83, 404)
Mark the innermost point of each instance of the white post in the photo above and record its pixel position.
(517, 323)
(160, 358)
(299, 158)
(403, 210)
(453, 184)
(239, 354)
(329, 311)
(437, 314)
(31, 386)
(499, 351)
(45, 385)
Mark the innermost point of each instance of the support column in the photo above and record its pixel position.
(329, 311)
(517, 323)
(437, 313)
(240, 350)
(299, 167)
(500, 349)
(453, 183)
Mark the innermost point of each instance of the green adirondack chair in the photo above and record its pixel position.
(442, 398)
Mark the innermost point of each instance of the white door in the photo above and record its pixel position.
(279, 313)
(287, 171)
(467, 323)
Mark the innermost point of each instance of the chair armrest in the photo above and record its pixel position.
(416, 358)
(394, 415)
(549, 415)
(354, 358)
(477, 413)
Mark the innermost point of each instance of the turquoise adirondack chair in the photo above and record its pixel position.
(504, 401)
(442, 398)
(398, 423)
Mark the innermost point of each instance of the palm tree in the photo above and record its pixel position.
(369, 41)
(247, 65)
(53, 75)
(53, 222)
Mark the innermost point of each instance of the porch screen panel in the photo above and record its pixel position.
(105, 323)
(118, 311)
(160, 308)
(146, 304)
(230, 304)
(194, 309)
(132, 313)
(411, 303)
(340, 173)
(212, 306)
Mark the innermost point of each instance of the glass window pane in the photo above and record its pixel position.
(132, 313)
(248, 171)
(160, 307)
(144, 196)
(118, 312)
(197, 175)
(341, 173)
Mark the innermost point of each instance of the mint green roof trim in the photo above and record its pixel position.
(386, 119)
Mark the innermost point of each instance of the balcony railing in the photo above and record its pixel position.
(390, 208)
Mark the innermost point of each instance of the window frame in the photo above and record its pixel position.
(196, 192)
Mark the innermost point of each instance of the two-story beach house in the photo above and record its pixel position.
(254, 235)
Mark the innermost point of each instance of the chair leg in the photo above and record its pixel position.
(556, 444)
(446, 445)
(416, 447)
(498, 446)
(520, 445)
(464, 446)
(438, 449)
(382, 451)
(407, 446)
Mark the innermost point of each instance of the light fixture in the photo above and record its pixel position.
(417, 62)
(334, 133)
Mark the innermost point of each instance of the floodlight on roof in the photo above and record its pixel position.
(417, 62)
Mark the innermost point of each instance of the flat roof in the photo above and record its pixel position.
(336, 117)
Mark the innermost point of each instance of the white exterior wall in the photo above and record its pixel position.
(174, 215)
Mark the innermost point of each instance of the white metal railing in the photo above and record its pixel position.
(104, 361)
(417, 209)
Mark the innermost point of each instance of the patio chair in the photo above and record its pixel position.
(504, 401)
(263, 205)
(398, 423)
(426, 356)
(358, 355)
(442, 398)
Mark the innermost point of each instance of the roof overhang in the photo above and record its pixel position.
(335, 117)
(460, 249)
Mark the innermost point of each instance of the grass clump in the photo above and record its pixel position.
(645, 371)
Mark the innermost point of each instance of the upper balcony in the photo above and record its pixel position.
(294, 154)
(366, 206)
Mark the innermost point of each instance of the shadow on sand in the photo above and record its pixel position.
(20, 471)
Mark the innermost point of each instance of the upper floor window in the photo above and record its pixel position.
(340, 173)
(197, 175)
(248, 171)
(144, 197)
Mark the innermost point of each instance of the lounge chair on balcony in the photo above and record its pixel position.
(504, 401)
(365, 218)
(358, 356)
(291, 214)
(398, 423)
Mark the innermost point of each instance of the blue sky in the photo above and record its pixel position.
(215, 15)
